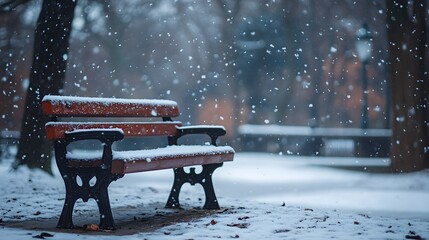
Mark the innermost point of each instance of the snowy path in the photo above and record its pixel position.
(298, 181)
(319, 203)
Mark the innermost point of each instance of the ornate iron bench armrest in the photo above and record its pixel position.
(106, 136)
(213, 131)
(101, 134)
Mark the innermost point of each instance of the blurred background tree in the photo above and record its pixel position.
(408, 48)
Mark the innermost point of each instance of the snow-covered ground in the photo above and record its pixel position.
(261, 195)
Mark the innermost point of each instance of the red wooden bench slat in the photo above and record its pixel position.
(141, 161)
(103, 107)
(57, 130)
(122, 167)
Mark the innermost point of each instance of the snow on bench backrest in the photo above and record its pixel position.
(68, 106)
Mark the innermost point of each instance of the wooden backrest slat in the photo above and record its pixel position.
(65, 106)
(57, 130)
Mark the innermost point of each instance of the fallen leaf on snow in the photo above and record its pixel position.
(239, 225)
(413, 237)
(222, 210)
(92, 227)
(281, 230)
(43, 235)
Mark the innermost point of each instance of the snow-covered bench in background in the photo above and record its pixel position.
(7, 138)
(80, 168)
(305, 140)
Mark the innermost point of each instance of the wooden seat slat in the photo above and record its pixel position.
(121, 167)
(154, 159)
(57, 130)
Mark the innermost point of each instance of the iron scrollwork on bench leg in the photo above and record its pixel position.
(204, 178)
(84, 189)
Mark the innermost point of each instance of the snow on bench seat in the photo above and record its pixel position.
(154, 159)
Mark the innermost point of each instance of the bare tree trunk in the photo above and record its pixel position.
(406, 28)
(47, 75)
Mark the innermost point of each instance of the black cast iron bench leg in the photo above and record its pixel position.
(204, 178)
(103, 202)
(98, 192)
(66, 220)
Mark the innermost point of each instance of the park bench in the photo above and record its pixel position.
(306, 140)
(73, 119)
